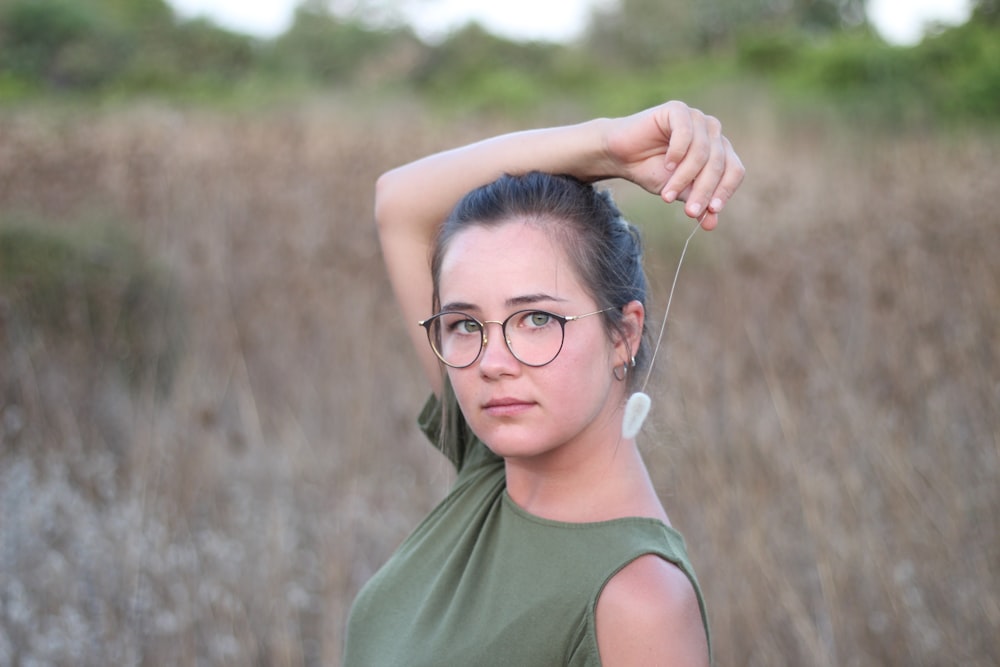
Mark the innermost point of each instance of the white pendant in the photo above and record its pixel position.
(636, 410)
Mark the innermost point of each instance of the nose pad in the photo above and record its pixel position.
(496, 356)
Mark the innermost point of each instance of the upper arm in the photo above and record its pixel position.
(406, 249)
(648, 614)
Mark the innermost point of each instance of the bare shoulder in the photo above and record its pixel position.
(648, 614)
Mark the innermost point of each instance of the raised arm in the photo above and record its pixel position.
(671, 150)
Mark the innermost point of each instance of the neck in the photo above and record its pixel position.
(584, 482)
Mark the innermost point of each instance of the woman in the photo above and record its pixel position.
(552, 547)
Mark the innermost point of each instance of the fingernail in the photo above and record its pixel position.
(695, 209)
(670, 196)
(716, 205)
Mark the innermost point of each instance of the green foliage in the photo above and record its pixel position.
(134, 13)
(101, 45)
(189, 55)
(478, 70)
(950, 77)
(327, 49)
(771, 51)
(61, 43)
(648, 34)
(93, 292)
(501, 90)
(854, 63)
(987, 12)
(961, 69)
(644, 33)
(636, 52)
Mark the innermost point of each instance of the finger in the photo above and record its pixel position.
(731, 179)
(709, 221)
(682, 134)
(697, 150)
(713, 169)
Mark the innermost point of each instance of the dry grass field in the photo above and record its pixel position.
(826, 416)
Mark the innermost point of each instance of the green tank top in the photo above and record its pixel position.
(481, 582)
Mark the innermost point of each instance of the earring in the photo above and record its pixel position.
(620, 372)
(636, 410)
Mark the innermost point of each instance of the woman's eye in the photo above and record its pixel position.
(467, 327)
(538, 319)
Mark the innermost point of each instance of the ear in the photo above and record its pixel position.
(633, 317)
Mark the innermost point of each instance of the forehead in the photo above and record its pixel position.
(517, 258)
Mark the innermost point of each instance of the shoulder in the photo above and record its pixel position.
(648, 614)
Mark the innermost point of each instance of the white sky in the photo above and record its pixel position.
(899, 21)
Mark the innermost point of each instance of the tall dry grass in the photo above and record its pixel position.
(827, 420)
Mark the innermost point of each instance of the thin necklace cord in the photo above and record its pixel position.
(670, 299)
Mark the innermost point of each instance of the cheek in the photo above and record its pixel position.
(459, 380)
(584, 371)
(591, 355)
(466, 384)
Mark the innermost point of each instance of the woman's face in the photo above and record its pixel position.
(518, 410)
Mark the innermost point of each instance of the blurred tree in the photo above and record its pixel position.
(335, 47)
(987, 11)
(959, 67)
(642, 33)
(827, 15)
(196, 53)
(472, 51)
(473, 69)
(382, 14)
(60, 43)
(137, 13)
(90, 44)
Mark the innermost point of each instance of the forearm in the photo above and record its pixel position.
(419, 195)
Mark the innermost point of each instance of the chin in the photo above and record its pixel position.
(517, 451)
(519, 443)
(508, 440)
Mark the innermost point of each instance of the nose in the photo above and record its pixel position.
(496, 358)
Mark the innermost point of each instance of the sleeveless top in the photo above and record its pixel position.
(481, 582)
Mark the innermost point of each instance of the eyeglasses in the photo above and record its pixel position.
(534, 337)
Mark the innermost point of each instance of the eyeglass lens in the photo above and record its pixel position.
(534, 337)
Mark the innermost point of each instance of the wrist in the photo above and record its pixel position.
(597, 163)
(579, 150)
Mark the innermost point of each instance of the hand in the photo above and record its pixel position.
(678, 153)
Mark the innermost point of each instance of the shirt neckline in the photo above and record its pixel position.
(554, 523)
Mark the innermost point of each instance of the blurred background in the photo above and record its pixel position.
(207, 400)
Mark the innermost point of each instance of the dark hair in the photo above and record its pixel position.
(605, 249)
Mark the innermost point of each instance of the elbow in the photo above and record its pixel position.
(384, 197)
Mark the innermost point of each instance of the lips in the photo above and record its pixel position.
(506, 407)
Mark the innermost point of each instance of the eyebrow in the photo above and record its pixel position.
(513, 302)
